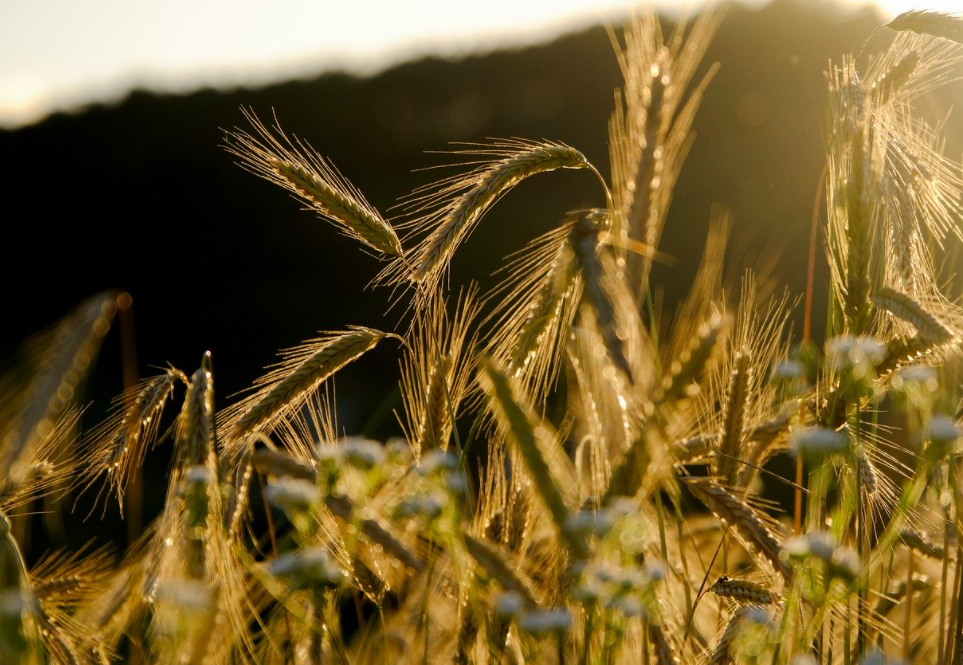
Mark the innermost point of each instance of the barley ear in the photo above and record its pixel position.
(903, 307)
(721, 653)
(452, 208)
(734, 419)
(299, 168)
(62, 357)
(585, 242)
(920, 543)
(196, 426)
(303, 370)
(743, 591)
(118, 446)
(664, 653)
(496, 565)
(522, 431)
(890, 82)
(741, 517)
(935, 24)
(686, 370)
(628, 474)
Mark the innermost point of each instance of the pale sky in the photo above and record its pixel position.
(62, 54)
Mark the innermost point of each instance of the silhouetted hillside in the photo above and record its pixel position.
(218, 259)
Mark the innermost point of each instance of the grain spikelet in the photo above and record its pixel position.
(497, 567)
(546, 307)
(119, 445)
(41, 469)
(71, 577)
(56, 588)
(868, 476)
(238, 505)
(374, 530)
(536, 305)
(902, 306)
(113, 605)
(745, 591)
(897, 592)
(59, 362)
(303, 369)
(889, 83)
(585, 242)
(282, 465)
(742, 517)
(919, 542)
(721, 652)
(468, 625)
(853, 256)
(649, 131)
(935, 24)
(664, 653)
(450, 209)
(60, 582)
(517, 422)
(686, 370)
(299, 168)
(196, 425)
(902, 352)
(734, 419)
(435, 371)
(693, 449)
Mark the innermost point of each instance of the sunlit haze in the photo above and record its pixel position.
(62, 55)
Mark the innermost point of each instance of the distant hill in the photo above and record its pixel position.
(218, 259)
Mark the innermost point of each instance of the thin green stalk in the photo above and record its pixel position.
(908, 619)
(425, 624)
(685, 561)
(861, 514)
(645, 642)
(954, 618)
(847, 633)
(587, 635)
(660, 512)
(945, 568)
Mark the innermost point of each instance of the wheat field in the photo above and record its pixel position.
(582, 474)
